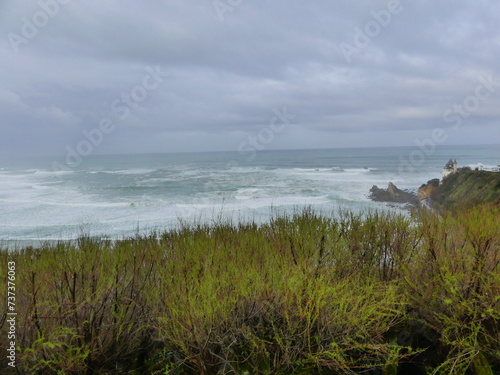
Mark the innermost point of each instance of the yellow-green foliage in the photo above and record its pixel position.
(372, 293)
(467, 188)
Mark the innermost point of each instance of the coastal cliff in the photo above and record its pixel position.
(425, 191)
(464, 188)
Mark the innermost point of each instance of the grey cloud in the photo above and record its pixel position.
(227, 76)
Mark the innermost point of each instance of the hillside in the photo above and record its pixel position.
(351, 293)
(467, 187)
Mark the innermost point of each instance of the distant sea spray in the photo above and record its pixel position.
(116, 196)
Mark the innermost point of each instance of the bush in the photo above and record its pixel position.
(375, 293)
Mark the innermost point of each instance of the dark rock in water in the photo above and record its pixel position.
(392, 194)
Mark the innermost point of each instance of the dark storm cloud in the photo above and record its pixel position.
(229, 67)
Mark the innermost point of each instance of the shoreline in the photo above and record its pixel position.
(216, 218)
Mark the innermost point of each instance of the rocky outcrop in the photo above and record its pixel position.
(461, 189)
(392, 195)
(425, 191)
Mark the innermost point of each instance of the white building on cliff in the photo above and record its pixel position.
(450, 167)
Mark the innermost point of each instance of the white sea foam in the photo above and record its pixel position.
(39, 172)
(132, 171)
(483, 167)
(108, 198)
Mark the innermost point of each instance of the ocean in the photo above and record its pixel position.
(119, 196)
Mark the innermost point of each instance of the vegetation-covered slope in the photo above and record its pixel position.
(306, 294)
(468, 187)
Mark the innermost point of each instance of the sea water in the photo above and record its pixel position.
(118, 196)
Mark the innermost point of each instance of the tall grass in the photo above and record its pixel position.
(372, 293)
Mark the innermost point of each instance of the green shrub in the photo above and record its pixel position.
(305, 293)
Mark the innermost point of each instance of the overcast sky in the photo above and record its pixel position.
(347, 73)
